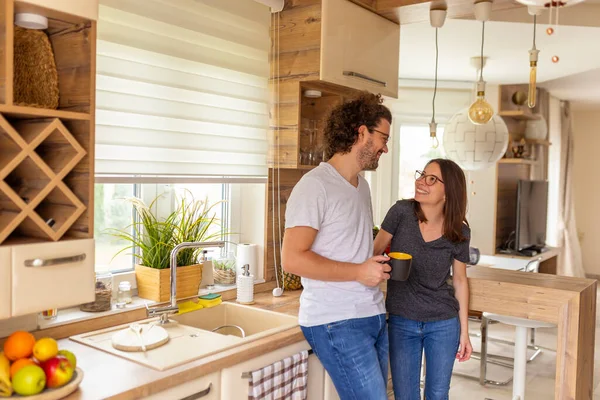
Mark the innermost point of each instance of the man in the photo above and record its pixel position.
(329, 243)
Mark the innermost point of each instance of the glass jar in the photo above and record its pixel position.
(124, 293)
(224, 269)
(103, 293)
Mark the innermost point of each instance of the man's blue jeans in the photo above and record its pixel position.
(408, 338)
(355, 354)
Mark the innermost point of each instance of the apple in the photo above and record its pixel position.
(70, 356)
(29, 380)
(58, 370)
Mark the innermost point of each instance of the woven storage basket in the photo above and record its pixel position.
(36, 78)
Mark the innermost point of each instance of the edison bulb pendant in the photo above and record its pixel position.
(555, 59)
(532, 91)
(480, 112)
(549, 31)
(533, 57)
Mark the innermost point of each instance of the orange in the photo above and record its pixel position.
(19, 345)
(44, 349)
(20, 363)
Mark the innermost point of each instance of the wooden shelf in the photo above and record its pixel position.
(46, 155)
(29, 112)
(519, 115)
(517, 161)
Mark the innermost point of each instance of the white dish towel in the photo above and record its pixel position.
(283, 380)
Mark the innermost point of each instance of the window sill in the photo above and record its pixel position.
(74, 314)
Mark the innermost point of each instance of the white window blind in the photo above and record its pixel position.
(182, 87)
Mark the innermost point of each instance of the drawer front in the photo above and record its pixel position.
(205, 388)
(5, 254)
(52, 275)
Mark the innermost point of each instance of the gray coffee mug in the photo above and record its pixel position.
(400, 264)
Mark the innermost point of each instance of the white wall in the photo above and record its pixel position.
(586, 130)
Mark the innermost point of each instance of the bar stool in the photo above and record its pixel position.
(520, 355)
(488, 318)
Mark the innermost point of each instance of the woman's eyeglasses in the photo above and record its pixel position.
(430, 180)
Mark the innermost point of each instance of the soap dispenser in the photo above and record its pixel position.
(245, 286)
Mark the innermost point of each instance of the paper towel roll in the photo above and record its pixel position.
(247, 253)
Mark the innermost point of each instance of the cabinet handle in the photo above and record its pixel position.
(40, 262)
(199, 394)
(365, 77)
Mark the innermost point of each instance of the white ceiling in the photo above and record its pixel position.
(506, 46)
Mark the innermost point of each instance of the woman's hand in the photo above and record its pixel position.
(464, 349)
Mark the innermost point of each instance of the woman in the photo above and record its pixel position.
(430, 309)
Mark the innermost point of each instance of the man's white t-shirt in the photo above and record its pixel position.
(343, 216)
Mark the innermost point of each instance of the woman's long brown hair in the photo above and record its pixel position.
(455, 207)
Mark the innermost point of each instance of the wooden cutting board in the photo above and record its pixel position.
(152, 336)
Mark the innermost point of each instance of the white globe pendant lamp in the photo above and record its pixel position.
(475, 147)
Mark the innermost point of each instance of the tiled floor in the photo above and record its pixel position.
(540, 372)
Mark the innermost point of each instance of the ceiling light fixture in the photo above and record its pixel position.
(437, 17)
(481, 112)
(533, 59)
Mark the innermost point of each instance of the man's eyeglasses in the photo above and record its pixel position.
(430, 180)
(386, 137)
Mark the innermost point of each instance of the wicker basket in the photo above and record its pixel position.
(35, 74)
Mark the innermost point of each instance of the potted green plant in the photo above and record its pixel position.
(191, 221)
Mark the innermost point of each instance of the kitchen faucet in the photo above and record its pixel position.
(173, 308)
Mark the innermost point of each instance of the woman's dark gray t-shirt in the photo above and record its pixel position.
(427, 295)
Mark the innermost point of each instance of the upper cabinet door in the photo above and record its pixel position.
(4, 282)
(359, 49)
(52, 275)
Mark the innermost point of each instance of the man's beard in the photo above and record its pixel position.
(368, 157)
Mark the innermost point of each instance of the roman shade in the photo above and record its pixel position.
(182, 87)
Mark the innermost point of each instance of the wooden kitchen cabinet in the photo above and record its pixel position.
(52, 275)
(204, 388)
(359, 49)
(335, 47)
(234, 386)
(5, 282)
(47, 160)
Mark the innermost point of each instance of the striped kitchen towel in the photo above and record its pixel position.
(283, 380)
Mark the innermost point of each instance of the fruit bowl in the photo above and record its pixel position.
(58, 393)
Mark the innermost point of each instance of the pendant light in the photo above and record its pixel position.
(533, 59)
(481, 112)
(437, 17)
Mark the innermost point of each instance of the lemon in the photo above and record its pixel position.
(44, 349)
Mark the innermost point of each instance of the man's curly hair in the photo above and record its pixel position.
(341, 128)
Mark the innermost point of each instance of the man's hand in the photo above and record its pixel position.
(372, 272)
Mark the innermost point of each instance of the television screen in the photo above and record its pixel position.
(532, 212)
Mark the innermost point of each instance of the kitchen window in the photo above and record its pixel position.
(240, 212)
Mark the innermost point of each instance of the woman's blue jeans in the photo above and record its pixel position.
(408, 338)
